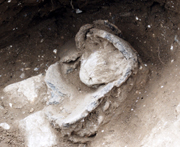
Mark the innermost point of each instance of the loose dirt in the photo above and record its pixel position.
(151, 27)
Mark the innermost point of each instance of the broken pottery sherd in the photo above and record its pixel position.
(106, 61)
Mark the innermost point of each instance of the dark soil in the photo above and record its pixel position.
(29, 32)
(28, 36)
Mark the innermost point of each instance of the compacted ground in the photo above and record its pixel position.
(31, 35)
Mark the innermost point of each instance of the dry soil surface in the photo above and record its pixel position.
(149, 116)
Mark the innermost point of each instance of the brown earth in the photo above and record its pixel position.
(29, 34)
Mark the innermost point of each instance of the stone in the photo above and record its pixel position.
(31, 110)
(106, 106)
(5, 126)
(37, 131)
(26, 91)
(163, 134)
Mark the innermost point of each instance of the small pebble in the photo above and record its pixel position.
(106, 106)
(22, 75)
(10, 104)
(78, 11)
(149, 26)
(171, 47)
(82, 120)
(55, 51)
(27, 68)
(31, 110)
(1, 107)
(140, 67)
(100, 119)
(42, 40)
(5, 126)
(36, 69)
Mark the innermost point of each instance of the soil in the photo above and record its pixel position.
(29, 38)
